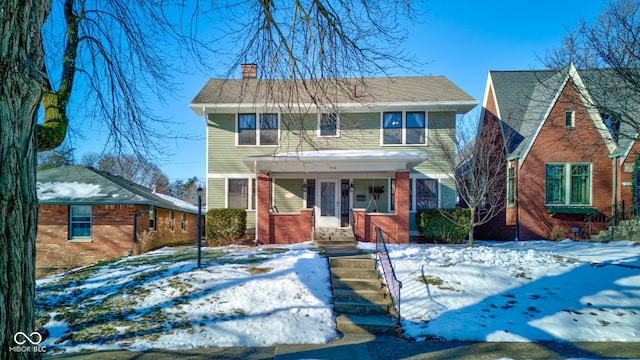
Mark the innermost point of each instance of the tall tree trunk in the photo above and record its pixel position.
(472, 225)
(21, 61)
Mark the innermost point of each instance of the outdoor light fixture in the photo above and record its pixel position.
(304, 185)
(351, 186)
(199, 191)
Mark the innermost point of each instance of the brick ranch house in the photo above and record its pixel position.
(351, 155)
(86, 216)
(568, 153)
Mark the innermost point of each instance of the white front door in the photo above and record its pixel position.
(328, 207)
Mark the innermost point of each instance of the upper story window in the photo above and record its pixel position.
(568, 184)
(79, 221)
(404, 128)
(260, 129)
(329, 125)
(570, 118)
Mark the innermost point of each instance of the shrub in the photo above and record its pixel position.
(434, 226)
(557, 233)
(224, 226)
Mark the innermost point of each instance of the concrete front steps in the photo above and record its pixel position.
(361, 305)
(334, 237)
(624, 230)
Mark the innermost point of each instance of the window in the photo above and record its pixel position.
(311, 193)
(329, 125)
(238, 194)
(510, 185)
(267, 133)
(392, 197)
(152, 219)
(183, 222)
(247, 129)
(568, 184)
(170, 220)
(79, 221)
(407, 128)
(415, 128)
(570, 119)
(426, 193)
(268, 129)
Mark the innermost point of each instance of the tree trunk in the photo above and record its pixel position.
(472, 225)
(21, 58)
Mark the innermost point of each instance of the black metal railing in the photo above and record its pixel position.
(393, 284)
(607, 217)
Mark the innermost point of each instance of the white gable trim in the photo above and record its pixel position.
(586, 99)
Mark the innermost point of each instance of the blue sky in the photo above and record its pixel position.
(460, 39)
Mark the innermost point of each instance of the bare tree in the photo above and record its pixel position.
(609, 43)
(477, 154)
(103, 58)
(132, 168)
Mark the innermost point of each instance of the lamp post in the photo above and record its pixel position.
(200, 191)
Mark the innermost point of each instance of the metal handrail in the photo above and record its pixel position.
(393, 284)
(599, 221)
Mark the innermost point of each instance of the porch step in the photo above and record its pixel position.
(360, 300)
(359, 324)
(334, 237)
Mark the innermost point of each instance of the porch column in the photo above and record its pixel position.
(402, 206)
(264, 202)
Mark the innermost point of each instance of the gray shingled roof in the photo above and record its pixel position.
(394, 89)
(81, 185)
(524, 96)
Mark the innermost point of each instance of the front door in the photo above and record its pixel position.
(328, 203)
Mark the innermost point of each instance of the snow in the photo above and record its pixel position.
(70, 190)
(520, 291)
(261, 296)
(179, 203)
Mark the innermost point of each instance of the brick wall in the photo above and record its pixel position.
(291, 228)
(557, 143)
(112, 235)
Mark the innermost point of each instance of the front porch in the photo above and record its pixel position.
(355, 193)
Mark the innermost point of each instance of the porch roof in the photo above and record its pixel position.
(335, 161)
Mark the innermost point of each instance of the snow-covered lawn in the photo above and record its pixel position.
(261, 296)
(240, 296)
(520, 291)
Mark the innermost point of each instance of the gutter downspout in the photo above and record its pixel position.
(614, 191)
(135, 223)
(256, 241)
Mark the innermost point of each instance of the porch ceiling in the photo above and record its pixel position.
(335, 161)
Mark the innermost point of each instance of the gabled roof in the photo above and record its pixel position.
(81, 185)
(428, 90)
(524, 100)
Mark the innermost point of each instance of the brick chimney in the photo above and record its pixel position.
(249, 71)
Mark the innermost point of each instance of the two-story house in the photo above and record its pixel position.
(346, 153)
(568, 153)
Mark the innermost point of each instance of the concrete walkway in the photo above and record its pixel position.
(364, 347)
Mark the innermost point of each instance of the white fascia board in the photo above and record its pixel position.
(460, 107)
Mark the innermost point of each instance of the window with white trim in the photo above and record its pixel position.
(329, 125)
(258, 129)
(80, 218)
(570, 118)
(171, 228)
(404, 128)
(426, 193)
(568, 184)
(183, 222)
(239, 193)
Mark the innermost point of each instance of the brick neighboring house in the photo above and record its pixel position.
(351, 155)
(568, 155)
(86, 216)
